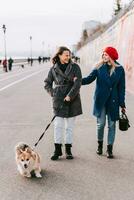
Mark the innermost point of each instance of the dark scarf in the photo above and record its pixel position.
(109, 68)
(63, 67)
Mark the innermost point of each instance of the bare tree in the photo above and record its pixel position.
(84, 35)
(78, 46)
(118, 7)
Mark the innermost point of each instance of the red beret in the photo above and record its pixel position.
(112, 52)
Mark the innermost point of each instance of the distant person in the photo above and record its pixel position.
(31, 61)
(39, 59)
(73, 58)
(10, 64)
(28, 60)
(5, 65)
(109, 96)
(43, 59)
(22, 66)
(49, 59)
(77, 59)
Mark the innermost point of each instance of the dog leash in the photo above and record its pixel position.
(35, 145)
(44, 132)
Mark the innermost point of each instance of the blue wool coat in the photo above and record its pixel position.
(110, 90)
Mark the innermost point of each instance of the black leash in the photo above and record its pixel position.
(47, 127)
(65, 77)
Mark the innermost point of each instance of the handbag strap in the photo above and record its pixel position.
(124, 115)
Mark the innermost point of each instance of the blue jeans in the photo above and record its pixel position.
(101, 121)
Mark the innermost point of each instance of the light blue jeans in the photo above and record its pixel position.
(101, 122)
(63, 126)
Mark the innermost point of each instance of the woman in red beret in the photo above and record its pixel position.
(109, 96)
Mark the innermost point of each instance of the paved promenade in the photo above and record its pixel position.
(25, 110)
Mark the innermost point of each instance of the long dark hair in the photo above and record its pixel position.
(60, 51)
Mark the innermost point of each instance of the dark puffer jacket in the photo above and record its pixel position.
(59, 85)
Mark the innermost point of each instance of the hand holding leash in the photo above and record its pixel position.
(67, 98)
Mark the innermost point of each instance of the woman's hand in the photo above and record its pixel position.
(67, 98)
(75, 78)
(123, 110)
(50, 93)
(101, 62)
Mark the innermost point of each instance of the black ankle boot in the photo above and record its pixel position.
(68, 151)
(110, 151)
(100, 148)
(57, 152)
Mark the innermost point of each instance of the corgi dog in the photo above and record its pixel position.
(27, 160)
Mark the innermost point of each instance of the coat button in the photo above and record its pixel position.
(110, 88)
(113, 100)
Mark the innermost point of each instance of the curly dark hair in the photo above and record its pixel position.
(60, 51)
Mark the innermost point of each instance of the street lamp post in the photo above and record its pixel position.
(43, 56)
(31, 50)
(48, 50)
(43, 48)
(5, 61)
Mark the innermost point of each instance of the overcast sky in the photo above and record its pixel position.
(56, 22)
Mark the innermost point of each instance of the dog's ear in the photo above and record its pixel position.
(28, 150)
(19, 151)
